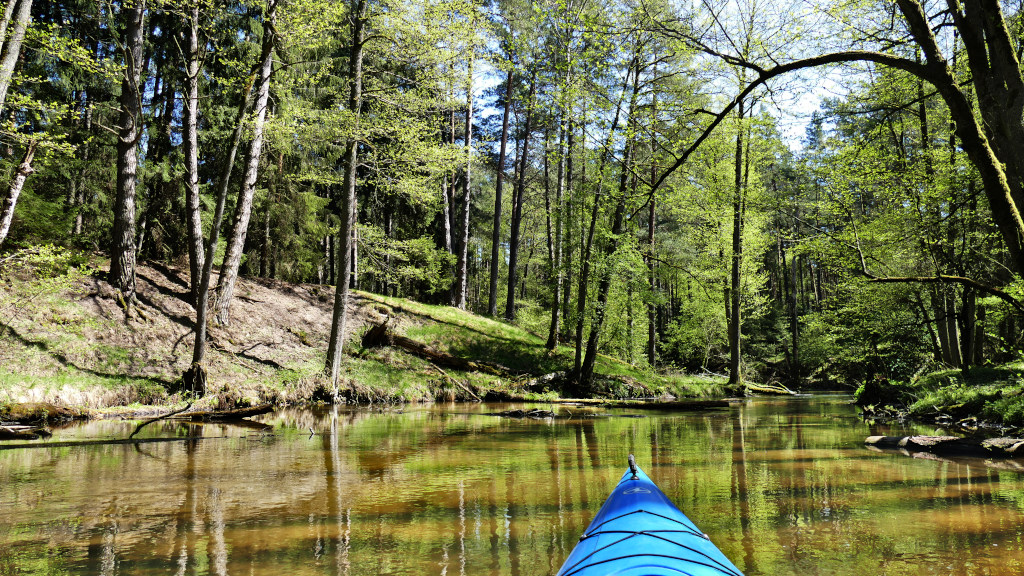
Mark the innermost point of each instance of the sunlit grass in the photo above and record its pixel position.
(467, 335)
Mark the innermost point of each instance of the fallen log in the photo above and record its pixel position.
(158, 418)
(223, 415)
(73, 443)
(23, 433)
(381, 335)
(779, 390)
(645, 404)
(951, 445)
(533, 414)
(449, 378)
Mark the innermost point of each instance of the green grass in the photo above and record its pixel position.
(467, 335)
(992, 393)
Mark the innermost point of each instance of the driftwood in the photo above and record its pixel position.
(23, 433)
(951, 445)
(534, 414)
(381, 335)
(70, 444)
(769, 389)
(224, 415)
(644, 404)
(158, 418)
(449, 378)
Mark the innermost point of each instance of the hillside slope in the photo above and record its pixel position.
(65, 339)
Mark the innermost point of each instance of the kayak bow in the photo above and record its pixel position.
(639, 532)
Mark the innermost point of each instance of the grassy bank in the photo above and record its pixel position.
(65, 339)
(991, 395)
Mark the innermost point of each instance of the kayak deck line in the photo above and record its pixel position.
(674, 570)
(714, 564)
(688, 530)
(643, 532)
(639, 532)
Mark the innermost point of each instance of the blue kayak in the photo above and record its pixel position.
(639, 532)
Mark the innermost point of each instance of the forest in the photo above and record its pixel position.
(814, 195)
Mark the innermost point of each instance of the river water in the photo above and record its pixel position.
(782, 486)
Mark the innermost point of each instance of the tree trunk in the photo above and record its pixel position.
(517, 206)
(979, 336)
(243, 211)
(586, 246)
(462, 263)
(652, 306)
(156, 230)
(735, 377)
(953, 331)
(355, 97)
(929, 324)
(122, 254)
(586, 373)
(8, 14)
(567, 252)
(492, 295)
(939, 307)
(353, 279)
(190, 142)
(202, 303)
(993, 143)
(556, 241)
(12, 47)
(84, 152)
(967, 327)
(20, 175)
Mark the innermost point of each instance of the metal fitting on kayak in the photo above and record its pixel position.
(632, 466)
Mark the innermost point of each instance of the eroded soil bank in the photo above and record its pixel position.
(66, 340)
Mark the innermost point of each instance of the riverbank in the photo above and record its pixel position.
(64, 339)
(981, 398)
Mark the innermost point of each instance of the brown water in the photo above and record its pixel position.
(781, 486)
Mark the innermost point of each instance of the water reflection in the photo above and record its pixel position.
(782, 486)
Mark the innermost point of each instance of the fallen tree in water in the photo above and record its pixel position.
(776, 389)
(115, 441)
(23, 433)
(696, 405)
(223, 415)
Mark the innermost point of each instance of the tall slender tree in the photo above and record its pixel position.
(123, 248)
(243, 209)
(357, 21)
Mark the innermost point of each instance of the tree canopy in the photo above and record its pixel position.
(617, 173)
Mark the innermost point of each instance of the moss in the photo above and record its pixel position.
(38, 413)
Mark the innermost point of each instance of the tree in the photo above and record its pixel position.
(346, 210)
(122, 253)
(499, 177)
(462, 266)
(21, 11)
(243, 209)
(987, 136)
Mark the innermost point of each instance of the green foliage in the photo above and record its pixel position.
(45, 262)
(696, 340)
(414, 265)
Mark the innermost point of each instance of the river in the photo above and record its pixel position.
(782, 486)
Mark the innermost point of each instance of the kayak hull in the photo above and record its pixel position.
(639, 532)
